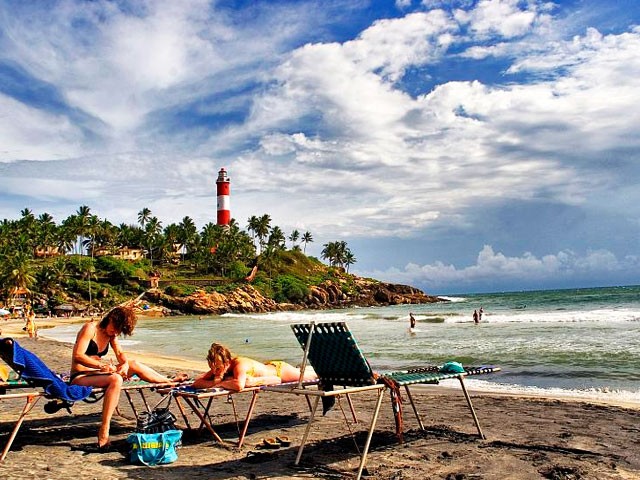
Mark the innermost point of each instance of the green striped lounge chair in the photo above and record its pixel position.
(333, 352)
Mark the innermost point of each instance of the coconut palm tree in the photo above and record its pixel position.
(306, 238)
(143, 216)
(293, 238)
(252, 226)
(188, 232)
(83, 214)
(16, 273)
(262, 229)
(349, 259)
(46, 232)
(152, 233)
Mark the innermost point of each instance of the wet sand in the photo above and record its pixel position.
(527, 438)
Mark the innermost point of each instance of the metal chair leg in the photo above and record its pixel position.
(28, 406)
(473, 412)
(413, 405)
(363, 459)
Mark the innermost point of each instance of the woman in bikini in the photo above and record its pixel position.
(88, 368)
(236, 373)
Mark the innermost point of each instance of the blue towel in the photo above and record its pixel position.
(34, 370)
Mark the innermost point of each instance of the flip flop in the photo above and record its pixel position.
(284, 441)
(271, 443)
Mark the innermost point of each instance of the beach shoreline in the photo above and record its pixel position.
(528, 437)
(172, 363)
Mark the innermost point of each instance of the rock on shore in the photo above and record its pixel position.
(340, 293)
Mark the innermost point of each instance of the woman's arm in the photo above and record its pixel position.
(205, 380)
(79, 357)
(123, 364)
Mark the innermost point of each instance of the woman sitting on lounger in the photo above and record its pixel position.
(236, 373)
(88, 368)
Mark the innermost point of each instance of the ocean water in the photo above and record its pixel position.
(582, 343)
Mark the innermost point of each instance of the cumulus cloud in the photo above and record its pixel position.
(495, 267)
(386, 132)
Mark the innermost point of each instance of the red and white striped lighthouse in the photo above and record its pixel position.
(224, 200)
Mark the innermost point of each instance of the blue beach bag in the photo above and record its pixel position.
(152, 449)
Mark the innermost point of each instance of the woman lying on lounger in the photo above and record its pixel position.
(90, 369)
(236, 373)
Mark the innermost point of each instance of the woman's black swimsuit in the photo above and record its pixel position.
(92, 350)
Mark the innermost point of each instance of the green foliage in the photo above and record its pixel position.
(118, 270)
(180, 290)
(288, 288)
(237, 270)
(224, 254)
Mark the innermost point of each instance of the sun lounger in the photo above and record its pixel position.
(332, 351)
(201, 401)
(32, 380)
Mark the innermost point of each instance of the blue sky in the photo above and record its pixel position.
(457, 146)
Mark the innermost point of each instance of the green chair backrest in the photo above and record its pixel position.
(334, 354)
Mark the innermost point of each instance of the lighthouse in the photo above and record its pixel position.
(224, 201)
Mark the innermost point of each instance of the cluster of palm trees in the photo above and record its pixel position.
(338, 254)
(212, 250)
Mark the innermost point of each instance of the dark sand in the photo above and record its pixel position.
(528, 438)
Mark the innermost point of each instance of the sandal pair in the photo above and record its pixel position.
(276, 442)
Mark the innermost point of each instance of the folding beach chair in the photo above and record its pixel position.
(201, 400)
(33, 380)
(334, 354)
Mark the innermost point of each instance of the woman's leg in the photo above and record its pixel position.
(112, 383)
(290, 373)
(148, 374)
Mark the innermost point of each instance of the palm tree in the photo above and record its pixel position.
(306, 238)
(349, 259)
(16, 273)
(330, 252)
(252, 226)
(293, 238)
(276, 239)
(188, 231)
(82, 221)
(152, 232)
(262, 229)
(29, 227)
(46, 232)
(143, 216)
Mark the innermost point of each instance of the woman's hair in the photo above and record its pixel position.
(123, 320)
(219, 358)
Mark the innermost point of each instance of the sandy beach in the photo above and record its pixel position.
(527, 438)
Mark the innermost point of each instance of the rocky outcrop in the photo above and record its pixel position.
(245, 299)
(342, 292)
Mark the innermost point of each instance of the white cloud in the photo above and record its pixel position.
(492, 267)
(327, 131)
(29, 133)
(502, 17)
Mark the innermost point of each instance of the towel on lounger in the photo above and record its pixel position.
(34, 370)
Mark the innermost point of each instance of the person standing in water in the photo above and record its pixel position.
(412, 321)
(475, 317)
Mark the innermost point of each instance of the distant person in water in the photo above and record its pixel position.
(480, 312)
(475, 317)
(412, 321)
(236, 373)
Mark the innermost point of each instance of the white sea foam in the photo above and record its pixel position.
(562, 316)
(453, 299)
(595, 394)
